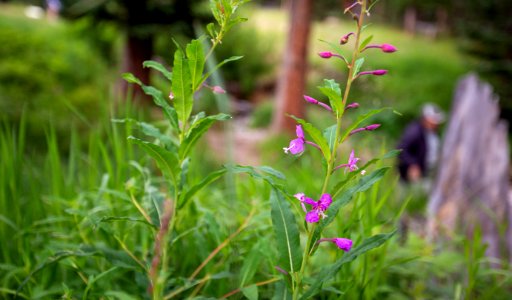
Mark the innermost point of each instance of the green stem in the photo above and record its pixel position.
(330, 164)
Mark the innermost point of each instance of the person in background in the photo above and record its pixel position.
(420, 145)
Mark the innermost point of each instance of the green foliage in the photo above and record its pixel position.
(287, 233)
(50, 73)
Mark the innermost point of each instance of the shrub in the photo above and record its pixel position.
(51, 74)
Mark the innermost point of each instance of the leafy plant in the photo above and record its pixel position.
(333, 196)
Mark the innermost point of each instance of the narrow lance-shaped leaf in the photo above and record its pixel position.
(159, 67)
(365, 42)
(199, 128)
(196, 61)
(317, 137)
(333, 91)
(184, 197)
(166, 160)
(359, 64)
(158, 98)
(330, 135)
(233, 58)
(287, 233)
(182, 87)
(253, 172)
(329, 272)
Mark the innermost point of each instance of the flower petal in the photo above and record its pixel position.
(324, 202)
(312, 216)
(343, 244)
(299, 131)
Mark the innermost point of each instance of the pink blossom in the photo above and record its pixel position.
(351, 164)
(317, 207)
(296, 145)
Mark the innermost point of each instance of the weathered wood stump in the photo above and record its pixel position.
(471, 188)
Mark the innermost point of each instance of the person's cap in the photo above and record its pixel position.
(433, 113)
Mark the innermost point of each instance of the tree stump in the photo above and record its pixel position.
(471, 188)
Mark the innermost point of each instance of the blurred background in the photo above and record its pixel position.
(65, 163)
(62, 60)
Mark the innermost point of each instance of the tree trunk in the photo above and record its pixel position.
(292, 81)
(471, 190)
(137, 50)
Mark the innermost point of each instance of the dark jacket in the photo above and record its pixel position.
(414, 149)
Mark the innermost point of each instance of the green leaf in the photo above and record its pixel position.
(251, 292)
(330, 135)
(120, 295)
(196, 131)
(281, 292)
(271, 171)
(233, 58)
(360, 120)
(53, 259)
(182, 87)
(126, 219)
(158, 98)
(196, 61)
(149, 130)
(339, 201)
(159, 67)
(166, 160)
(251, 263)
(329, 272)
(365, 43)
(93, 279)
(287, 233)
(131, 78)
(332, 90)
(253, 172)
(317, 137)
(184, 197)
(211, 30)
(359, 63)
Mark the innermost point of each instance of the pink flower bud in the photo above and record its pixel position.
(352, 105)
(171, 95)
(379, 72)
(344, 39)
(218, 90)
(387, 48)
(372, 127)
(310, 99)
(374, 72)
(326, 54)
